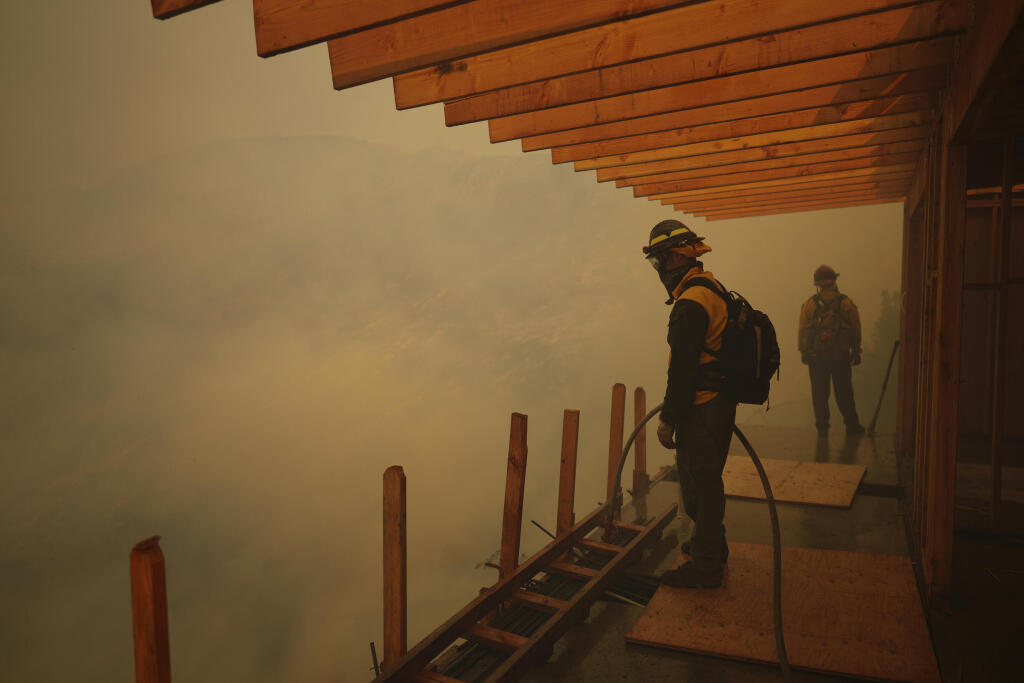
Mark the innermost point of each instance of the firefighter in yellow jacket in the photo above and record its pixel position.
(697, 417)
(829, 339)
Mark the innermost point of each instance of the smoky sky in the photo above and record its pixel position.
(232, 297)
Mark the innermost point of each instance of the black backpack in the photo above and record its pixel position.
(750, 350)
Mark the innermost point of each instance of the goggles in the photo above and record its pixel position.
(657, 260)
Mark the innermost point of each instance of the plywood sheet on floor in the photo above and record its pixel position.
(814, 483)
(848, 613)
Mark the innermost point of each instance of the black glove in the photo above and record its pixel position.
(665, 432)
(805, 358)
(855, 359)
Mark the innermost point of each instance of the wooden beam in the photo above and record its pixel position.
(875, 154)
(994, 24)
(565, 517)
(856, 66)
(912, 274)
(515, 486)
(830, 185)
(465, 29)
(700, 210)
(764, 199)
(668, 31)
(778, 124)
(824, 104)
(641, 481)
(396, 579)
(627, 526)
(599, 547)
(800, 209)
(433, 677)
(801, 173)
(917, 187)
(165, 9)
(283, 25)
(802, 201)
(827, 130)
(891, 195)
(542, 603)
(573, 570)
(615, 439)
(1002, 242)
(824, 179)
(866, 32)
(790, 161)
(781, 150)
(149, 612)
(945, 370)
(495, 638)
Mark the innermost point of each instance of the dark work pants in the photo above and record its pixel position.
(702, 445)
(839, 374)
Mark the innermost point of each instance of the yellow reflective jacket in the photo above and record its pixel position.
(697, 335)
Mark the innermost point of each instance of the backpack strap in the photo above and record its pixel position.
(722, 294)
(707, 284)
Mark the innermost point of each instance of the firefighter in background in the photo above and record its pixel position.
(829, 339)
(697, 418)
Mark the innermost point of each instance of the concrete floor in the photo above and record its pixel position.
(595, 651)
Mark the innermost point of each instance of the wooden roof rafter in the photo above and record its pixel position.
(665, 158)
(808, 189)
(873, 152)
(767, 197)
(802, 208)
(669, 97)
(848, 36)
(796, 153)
(781, 202)
(824, 104)
(664, 33)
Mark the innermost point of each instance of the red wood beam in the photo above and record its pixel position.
(395, 568)
(149, 613)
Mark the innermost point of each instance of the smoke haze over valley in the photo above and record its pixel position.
(223, 331)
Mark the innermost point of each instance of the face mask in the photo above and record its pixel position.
(672, 278)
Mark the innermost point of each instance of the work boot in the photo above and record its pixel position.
(725, 550)
(690, 576)
(855, 430)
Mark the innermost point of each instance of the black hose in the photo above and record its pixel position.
(780, 643)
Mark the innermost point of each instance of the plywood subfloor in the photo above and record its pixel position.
(815, 483)
(849, 613)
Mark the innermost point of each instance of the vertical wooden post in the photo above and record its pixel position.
(515, 485)
(641, 482)
(999, 330)
(567, 474)
(944, 422)
(615, 438)
(149, 613)
(925, 347)
(910, 317)
(395, 568)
